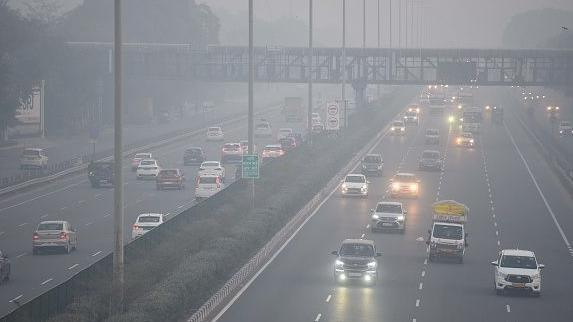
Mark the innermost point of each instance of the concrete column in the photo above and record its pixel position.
(360, 95)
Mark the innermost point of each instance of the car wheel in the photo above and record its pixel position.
(35, 251)
(431, 257)
(461, 260)
(536, 294)
(68, 248)
(497, 290)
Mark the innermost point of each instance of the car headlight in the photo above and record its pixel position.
(451, 119)
(363, 166)
(501, 275)
(402, 129)
(395, 186)
(91, 174)
(338, 263)
(372, 264)
(344, 186)
(364, 188)
(415, 117)
(414, 187)
(459, 140)
(400, 218)
(536, 276)
(472, 141)
(375, 216)
(459, 107)
(392, 128)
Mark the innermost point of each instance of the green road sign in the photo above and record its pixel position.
(250, 167)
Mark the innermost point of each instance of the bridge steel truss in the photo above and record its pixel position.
(499, 67)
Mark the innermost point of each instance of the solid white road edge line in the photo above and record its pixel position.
(547, 206)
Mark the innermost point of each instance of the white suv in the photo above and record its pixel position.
(207, 186)
(33, 158)
(354, 185)
(518, 270)
(145, 223)
(147, 169)
(388, 215)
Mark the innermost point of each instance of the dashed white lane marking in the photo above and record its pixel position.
(495, 224)
(508, 308)
(81, 202)
(96, 253)
(420, 286)
(16, 298)
(549, 209)
(97, 195)
(362, 237)
(107, 215)
(2, 233)
(181, 206)
(318, 317)
(138, 200)
(497, 233)
(414, 320)
(22, 224)
(498, 243)
(426, 261)
(63, 208)
(47, 281)
(423, 273)
(73, 266)
(43, 216)
(21, 255)
(368, 226)
(42, 196)
(418, 303)
(328, 298)
(89, 223)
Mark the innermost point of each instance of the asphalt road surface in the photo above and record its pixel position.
(89, 210)
(515, 201)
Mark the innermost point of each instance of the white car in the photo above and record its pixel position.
(283, 133)
(212, 167)
(272, 151)
(518, 270)
(215, 133)
(232, 153)
(354, 185)
(565, 128)
(33, 158)
(148, 169)
(145, 223)
(388, 215)
(207, 186)
(263, 129)
(398, 128)
(137, 158)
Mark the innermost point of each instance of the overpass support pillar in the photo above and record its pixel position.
(360, 95)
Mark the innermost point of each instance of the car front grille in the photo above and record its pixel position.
(518, 278)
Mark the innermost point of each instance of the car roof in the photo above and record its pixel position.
(53, 222)
(148, 160)
(285, 129)
(33, 149)
(211, 161)
(214, 128)
(393, 203)
(208, 175)
(518, 252)
(273, 146)
(355, 174)
(193, 148)
(404, 174)
(430, 151)
(373, 155)
(358, 241)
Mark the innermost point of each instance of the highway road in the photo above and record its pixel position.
(515, 201)
(89, 210)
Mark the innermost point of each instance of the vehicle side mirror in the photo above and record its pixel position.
(378, 254)
(494, 263)
(429, 231)
(541, 266)
(334, 252)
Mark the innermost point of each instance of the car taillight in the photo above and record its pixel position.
(63, 235)
(35, 236)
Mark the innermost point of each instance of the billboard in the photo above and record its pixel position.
(29, 110)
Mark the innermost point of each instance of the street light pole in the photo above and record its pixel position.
(364, 24)
(310, 68)
(343, 63)
(390, 23)
(251, 80)
(378, 13)
(118, 260)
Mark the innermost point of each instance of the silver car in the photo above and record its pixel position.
(54, 234)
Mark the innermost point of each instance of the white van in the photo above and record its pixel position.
(208, 185)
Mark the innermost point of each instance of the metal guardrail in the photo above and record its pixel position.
(72, 166)
(267, 251)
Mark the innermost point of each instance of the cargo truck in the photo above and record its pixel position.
(448, 236)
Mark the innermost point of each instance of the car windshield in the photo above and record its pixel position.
(467, 135)
(143, 156)
(231, 146)
(51, 226)
(147, 162)
(355, 179)
(448, 232)
(214, 129)
(430, 155)
(31, 153)
(431, 132)
(148, 219)
(398, 124)
(273, 148)
(389, 208)
(168, 173)
(511, 261)
(193, 152)
(372, 159)
(358, 250)
(207, 180)
(210, 164)
(404, 178)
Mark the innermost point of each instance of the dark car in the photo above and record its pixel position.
(100, 172)
(430, 159)
(193, 156)
(356, 260)
(297, 138)
(4, 268)
(170, 178)
(372, 164)
(287, 143)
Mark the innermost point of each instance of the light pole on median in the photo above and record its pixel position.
(310, 68)
(118, 259)
(343, 63)
(251, 81)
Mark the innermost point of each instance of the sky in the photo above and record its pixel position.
(446, 23)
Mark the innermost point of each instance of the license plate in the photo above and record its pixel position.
(387, 224)
(518, 285)
(354, 274)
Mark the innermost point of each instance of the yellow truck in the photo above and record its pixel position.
(448, 236)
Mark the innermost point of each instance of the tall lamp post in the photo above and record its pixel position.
(251, 81)
(310, 68)
(343, 63)
(118, 260)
